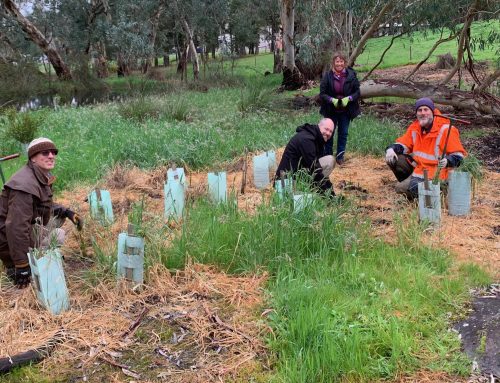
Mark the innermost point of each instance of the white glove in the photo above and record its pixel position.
(391, 156)
(442, 163)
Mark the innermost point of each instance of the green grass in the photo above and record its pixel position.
(201, 129)
(346, 306)
(420, 44)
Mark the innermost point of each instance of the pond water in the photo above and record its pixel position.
(54, 100)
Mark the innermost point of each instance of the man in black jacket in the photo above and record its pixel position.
(305, 151)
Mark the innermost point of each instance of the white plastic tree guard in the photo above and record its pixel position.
(429, 202)
(263, 165)
(217, 187)
(175, 193)
(283, 188)
(49, 281)
(130, 263)
(101, 207)
(302, 201)
(459, 193)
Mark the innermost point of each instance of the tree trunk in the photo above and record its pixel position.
(192, 48)
(292, 78)
(488, 81)
(461, 42)
(123, 66)
(155, 21)
(166, 60)
(483, 103)
(374, 25)
(34, 34)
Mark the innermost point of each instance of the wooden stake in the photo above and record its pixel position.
(244, 175)
(428, 201)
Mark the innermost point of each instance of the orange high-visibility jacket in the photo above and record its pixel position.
(426, 149)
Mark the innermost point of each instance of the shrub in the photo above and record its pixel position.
(22, 127)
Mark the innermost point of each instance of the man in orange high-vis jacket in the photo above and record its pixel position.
(421, 147)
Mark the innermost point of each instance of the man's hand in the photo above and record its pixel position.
(75, 218)
(345, 101)
(22, 277)
(390, 156)
(442, 163)
(335, 102)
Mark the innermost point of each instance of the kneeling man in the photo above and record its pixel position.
(422, 146)
(305, 151)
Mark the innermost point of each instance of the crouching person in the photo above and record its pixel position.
(422, 147)
(305, 152)
(27, 212)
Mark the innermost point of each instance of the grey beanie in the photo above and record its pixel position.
(425, 101)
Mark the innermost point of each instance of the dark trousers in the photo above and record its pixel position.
(341, 121)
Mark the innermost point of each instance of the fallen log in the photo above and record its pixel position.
(483, 103)
(31, 356)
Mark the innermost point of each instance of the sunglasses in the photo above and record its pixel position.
(46, 153)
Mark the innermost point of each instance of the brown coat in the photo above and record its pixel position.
(26, 199)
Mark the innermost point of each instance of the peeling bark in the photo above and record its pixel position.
(34, 34)
(292, 78)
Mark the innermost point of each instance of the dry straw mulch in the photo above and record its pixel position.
(199, 325)
(203, 325)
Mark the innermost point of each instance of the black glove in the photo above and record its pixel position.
(22, 277)
(75, 218)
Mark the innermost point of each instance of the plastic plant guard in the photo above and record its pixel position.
(261, 171)
(302, 201)
(130, 263)
(49, 281)
(264, 164)
(100, 206)
(174, 198)
(285, 191)
(177, 175)
(430, 213)
(459, 192)
(273, 165)
(217, 186)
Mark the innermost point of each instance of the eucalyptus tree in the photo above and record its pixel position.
(46, 44)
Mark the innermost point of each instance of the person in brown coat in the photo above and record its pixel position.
(27, 211)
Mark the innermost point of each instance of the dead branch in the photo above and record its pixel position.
(31, 356)
(436, 44)
(359, 48)
(462, 40)
(382, 56)
(136, 323)
(488, 81)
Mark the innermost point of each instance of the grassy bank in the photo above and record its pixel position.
(200, 130)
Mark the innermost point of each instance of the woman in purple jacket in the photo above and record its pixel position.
(339, 94)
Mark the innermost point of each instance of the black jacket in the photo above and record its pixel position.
(303, 152)
(351, 88)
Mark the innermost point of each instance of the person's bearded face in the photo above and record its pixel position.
(425, 117)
